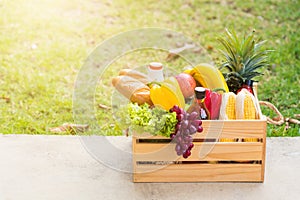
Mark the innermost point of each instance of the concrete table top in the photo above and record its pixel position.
(61, 167)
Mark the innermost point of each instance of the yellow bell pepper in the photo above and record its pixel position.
(166, 94)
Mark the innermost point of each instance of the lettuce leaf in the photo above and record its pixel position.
(141, 119)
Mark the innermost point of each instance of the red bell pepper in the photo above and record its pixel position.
(213, 102)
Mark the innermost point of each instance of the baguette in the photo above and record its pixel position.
(135, 74)
(133, 89)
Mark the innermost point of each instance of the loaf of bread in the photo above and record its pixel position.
(134, 74)
(133, 89)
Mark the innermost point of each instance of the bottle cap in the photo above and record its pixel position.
(200, 92)
(155, 66)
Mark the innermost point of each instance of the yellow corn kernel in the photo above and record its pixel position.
(226, 140)
(246, 106)
(230, 107)
(249, 108)
(249, 113)
(251, 140)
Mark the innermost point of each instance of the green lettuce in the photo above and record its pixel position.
(143, 119)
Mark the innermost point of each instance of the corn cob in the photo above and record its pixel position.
(228, 108)
(251, 140)
(246, 107)
(249, 108)
(226, 140)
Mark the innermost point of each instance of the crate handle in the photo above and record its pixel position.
(280, 119)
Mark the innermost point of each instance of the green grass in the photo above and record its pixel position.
(43, 45)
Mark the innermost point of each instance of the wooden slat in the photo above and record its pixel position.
(134, 150)
(200, 173)
(232, 129)
(225, 129)
(264, 154)
(220, 151)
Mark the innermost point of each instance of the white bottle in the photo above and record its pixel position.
(155, 72)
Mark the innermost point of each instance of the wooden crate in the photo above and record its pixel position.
(226, 151)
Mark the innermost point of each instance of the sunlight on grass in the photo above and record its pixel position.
(43, 45)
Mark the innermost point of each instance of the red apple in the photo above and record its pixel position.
(187, 84)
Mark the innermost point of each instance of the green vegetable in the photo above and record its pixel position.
(140, 119)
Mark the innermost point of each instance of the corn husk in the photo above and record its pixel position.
(246, 106)
(227, 108)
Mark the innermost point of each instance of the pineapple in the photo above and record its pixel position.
(242, 58)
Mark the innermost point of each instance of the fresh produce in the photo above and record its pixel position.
(142, 118)
(241, 106)
(213, 102)
(208, 76)
(187, 84)
(132, 89)
(242, 58)
(186, 126)
(246, 105)
(228, 109)
(166, 94)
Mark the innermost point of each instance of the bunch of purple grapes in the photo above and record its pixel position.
(187, 125)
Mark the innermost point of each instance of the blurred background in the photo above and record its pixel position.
(44, 43)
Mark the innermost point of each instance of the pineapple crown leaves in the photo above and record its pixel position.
(243, 56)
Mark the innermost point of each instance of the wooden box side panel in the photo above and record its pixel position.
(232, 129)
(202, 151)
(264, 141)
(209, 171)
(202, 173)
(217, 129)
